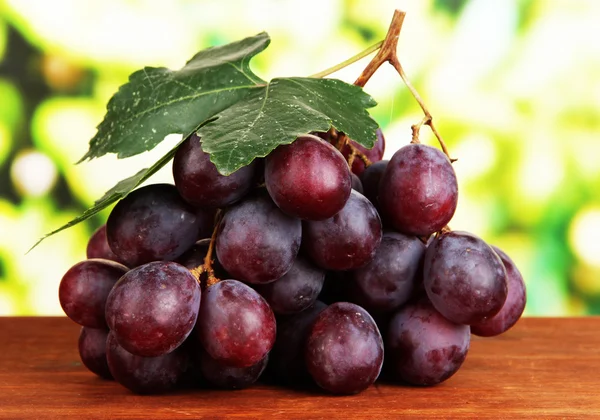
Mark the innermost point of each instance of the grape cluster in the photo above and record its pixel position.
(329, 258)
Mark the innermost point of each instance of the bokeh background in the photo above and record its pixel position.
(514, 86)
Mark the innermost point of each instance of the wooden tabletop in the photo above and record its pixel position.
(542, 369)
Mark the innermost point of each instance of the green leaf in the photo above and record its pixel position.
(119, 191)
(158, 101)
(281, 111)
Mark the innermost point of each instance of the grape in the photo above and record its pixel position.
(296, 290)
(387, 282)
(356, 184)
(153, 308)
(256, 242)
(230, 377)
(418, 191)
(287, 357)
(235, 326)
(152, 223)
(200, 183)
(97, 246)
(464, 278)
(347, 240)
(92, 351)
(513, 307)
(145, 375)
(423, 347)
(84, 289)
(370, 179)
(308, 179)
(344, 349)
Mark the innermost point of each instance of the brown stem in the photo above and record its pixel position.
(388, 53)
(206, 267)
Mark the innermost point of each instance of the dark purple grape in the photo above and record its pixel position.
(308, 179)
(423, 347)
(152, 223)
(464, 278)
(418, 191)
(287, 357)
(92, 351)
(370, 179)
(230, 377)
(513, 307)
(356, 184)
(153, 308)
(344, 350)
(84, 289)
(97, 246)
(257, 242)
(296, 290)
(206, 218)
(347, 240)
(145, 375)
(200, 183)
(235, 326)
(387, 282)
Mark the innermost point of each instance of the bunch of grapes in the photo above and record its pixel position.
(306, 266)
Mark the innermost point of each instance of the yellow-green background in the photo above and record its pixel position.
(514, 86)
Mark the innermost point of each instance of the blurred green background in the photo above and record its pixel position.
(514, 87)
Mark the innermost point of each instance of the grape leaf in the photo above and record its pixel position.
(238, 115)
(158, 101)
(281, 111)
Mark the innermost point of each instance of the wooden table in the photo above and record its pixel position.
(542, 369)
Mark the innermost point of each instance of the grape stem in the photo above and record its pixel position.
(387, 52)
(340, 140)
(206, 267)
(349, 61)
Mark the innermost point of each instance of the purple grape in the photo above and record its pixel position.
(257, 242)
(464, 278)
(308, 179)
(423, 347)
(287, 357)
(344, 350)
(145, 375)
(235, 326)
(513, 307)
(92, 351)
(200, 183)
(97, 246)
(84, 289)
(152, 223)
(356, 184)
(230, 377)
(296, 290)
(347, 240)
(153, 308)
(371, 178)
(387, 282)
(418, 191)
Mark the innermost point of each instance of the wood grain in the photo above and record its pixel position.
(542, 369)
